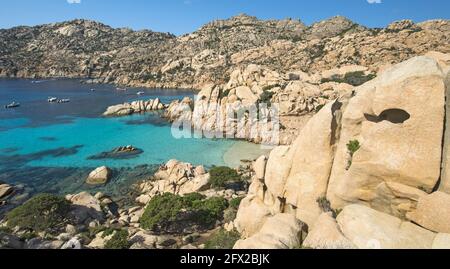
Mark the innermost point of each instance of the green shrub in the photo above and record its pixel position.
(266, 97)
(352, 147)
(236, 202)
(160, 210)
(118, 241)
(319, 107)
(191, 198)
(108, 231)
(40, 213)
(168, 210)
(221, 176)
(5, 229)
(210, 210)
(28, 236)
(222, 239)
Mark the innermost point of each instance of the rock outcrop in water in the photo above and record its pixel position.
(87, 49)
(127, 152)
(134, 107)
(99, 176)
(372, 158)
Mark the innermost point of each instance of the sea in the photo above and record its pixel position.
(46, 147)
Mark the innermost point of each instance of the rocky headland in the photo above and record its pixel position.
(362, 156)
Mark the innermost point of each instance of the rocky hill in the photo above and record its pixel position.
(88, 49)
(370, 170)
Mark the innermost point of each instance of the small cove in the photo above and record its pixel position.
(46, 147)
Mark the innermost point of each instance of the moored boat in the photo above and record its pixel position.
(12, 105)
(64, 101)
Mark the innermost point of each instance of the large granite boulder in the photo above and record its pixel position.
(282, 231)
(398, 121)
(325, 234)
(367, 228)
(433, 212)
(177, 178)
(99, 176)
(85, 208)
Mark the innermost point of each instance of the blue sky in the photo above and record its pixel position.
(183, 16)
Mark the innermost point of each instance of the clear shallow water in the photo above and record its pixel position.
(47, 146)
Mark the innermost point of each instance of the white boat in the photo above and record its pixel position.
(12, 105)
(92, 90)
(64, 101)
(140, 93)
(52, 99)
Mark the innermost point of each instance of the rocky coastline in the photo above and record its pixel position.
(360, 160)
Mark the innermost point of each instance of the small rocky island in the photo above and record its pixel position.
(134, 107)
(126, 152)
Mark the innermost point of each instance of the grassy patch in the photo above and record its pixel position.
(41, 213)
(222, 239)
(236, 202)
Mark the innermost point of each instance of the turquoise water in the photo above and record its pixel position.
(96, 135)
(46, 146)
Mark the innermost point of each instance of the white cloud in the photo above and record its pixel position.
(374, 1)
(74, 1)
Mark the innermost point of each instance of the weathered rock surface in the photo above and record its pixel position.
(134, 107)
(400, 138)
(391, 166)
(86, 208)
(326, 234)
(177, 178)
(371, 229)
(99, 176)
(282, 231)
(433, 212)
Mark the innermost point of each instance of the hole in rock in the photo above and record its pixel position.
(396, 116)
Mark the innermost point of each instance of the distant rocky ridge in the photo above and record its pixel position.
(87, 49)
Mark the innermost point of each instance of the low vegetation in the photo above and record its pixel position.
(118, 241)
(43, 212)
(352, 147)
(325, 206)
(356, 78)
(222, 176)
(170, 213)
(222, 239)
(236, 202)
(267, 95)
